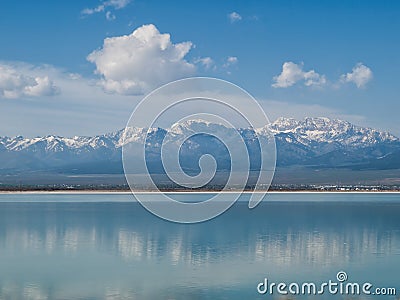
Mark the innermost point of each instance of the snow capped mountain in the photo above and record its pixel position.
(325, 130)
(312, 141)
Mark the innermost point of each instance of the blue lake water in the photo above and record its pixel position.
(106, 246)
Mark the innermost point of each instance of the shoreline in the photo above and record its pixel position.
(120, 192)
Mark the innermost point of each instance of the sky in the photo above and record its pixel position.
(80, 67)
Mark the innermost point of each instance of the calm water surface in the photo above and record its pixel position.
(108, 247)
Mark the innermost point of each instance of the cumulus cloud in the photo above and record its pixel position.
(104, 6)
(136, 63)
(360, 75)
(293, 73)
(234, 17)
(15, 83)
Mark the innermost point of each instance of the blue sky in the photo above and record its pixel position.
(298, 58)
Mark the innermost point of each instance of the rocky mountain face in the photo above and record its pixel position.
(312, 142)
(330, 143)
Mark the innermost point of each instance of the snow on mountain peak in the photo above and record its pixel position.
(284, 124)
(326, 130)
(307, 132)
(197, 125)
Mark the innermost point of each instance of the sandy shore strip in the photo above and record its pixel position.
(118, 192)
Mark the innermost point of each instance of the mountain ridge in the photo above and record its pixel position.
(317, 142)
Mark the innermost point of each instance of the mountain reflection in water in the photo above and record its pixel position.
(117, 250)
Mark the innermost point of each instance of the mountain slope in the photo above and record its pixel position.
(314, 142)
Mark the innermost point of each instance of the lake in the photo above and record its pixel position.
(107, 246)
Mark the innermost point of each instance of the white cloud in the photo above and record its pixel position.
(110, 16)
(231, 60)
(360, 75)
(136, 63)
(110, 4)
(314, 79)
(206, 62)
(84, 109)
(209, 64)
(293, 73)
(117, 4)
(20, 81)
(234, 17)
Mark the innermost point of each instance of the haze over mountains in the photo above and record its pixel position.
(312, 143)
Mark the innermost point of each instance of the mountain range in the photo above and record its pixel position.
(311, 142)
